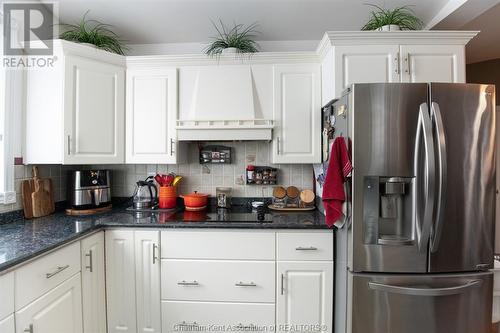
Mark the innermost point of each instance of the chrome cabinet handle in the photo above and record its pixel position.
(29, 329)
(407, 64)
(425, 291)
(69, 144)
(310, 248)
(243, 284)
(155, 247)
(440, 138)
(423, 223)
(282, 284)
(398, 65)
(90, 267)
(57, 271)
(278, 145)
(171, 147)
(187, 283)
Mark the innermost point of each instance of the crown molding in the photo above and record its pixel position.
(204, 60)
(428, 37)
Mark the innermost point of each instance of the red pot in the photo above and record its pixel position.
(195, 201)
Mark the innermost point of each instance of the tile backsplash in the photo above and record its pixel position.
(202, 178)
(205, 178)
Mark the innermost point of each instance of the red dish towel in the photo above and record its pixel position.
(339, 168)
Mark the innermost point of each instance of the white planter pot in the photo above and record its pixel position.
(389, 27)
(89, 44)
(230, 50)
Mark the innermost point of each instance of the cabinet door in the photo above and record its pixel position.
(94, 112)
(150, 116)
(93, 284)
(433, 63)
(305, 295)
(147, 277)
(297, 114)
(7, 324)
(120, 281)
(365, 64)
(59, 310)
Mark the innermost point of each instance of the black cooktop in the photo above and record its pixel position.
(238, 214)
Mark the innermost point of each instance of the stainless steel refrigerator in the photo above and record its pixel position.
(415, 251)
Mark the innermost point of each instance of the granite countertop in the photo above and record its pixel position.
(22, 239)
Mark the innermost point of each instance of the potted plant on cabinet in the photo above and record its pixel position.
(237, 40)
(94, 33)
(399, 18)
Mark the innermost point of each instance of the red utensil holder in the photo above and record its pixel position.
(167, 197)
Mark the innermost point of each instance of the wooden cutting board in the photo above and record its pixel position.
(38, 198)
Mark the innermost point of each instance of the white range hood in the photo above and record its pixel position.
(224, 107)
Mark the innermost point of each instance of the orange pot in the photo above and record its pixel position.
(195, 201)
(167, 197)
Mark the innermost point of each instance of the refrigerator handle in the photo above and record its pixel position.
(425, 291)
(424, 132)
(438, 129)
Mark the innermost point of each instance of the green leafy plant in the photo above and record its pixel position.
(403, 16)
(239, 37)
(94, 32)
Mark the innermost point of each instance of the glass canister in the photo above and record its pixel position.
(223, 195)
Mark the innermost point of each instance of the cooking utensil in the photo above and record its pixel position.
(195, 200)
(159, 180)
(169, 179)
(177, 179)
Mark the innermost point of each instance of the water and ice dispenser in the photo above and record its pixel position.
(388, 210)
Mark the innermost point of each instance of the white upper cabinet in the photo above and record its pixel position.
(432, 63)
(75, 110)
(366, 64)
(151, 113)
(93, 284)
(297, 114)
(403, 56)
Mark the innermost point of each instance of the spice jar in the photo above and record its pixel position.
(250, 174)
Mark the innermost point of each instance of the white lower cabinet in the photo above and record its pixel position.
(120, 281)
(7, 324)
(304, 300)
(93, 284)
(58, 311)
(216, 317)
(133, 281)
(147, 278)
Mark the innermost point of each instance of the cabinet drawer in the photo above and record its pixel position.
(305, 246)
(235, 281)
(217, 245)
(200, 316)
(6, 295)
(38, 277)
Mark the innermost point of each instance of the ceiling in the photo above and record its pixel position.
(175, 21)
(480, 15)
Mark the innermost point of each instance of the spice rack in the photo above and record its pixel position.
(261, 175)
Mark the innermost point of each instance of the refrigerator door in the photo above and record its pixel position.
(463, 117)
(386, 121)
(455, 303)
